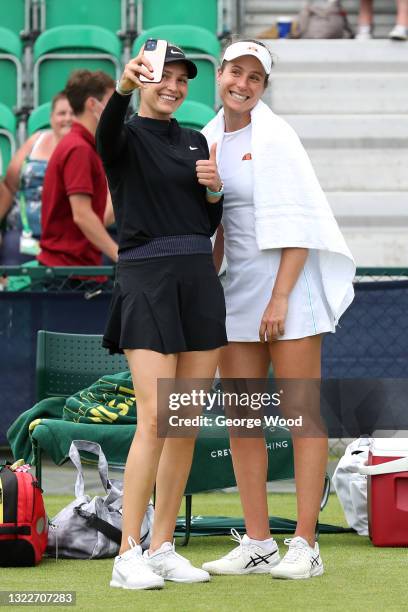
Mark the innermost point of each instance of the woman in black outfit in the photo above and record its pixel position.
(167, 313)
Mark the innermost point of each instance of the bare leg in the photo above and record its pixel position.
(144, 454)
(249, 360)
(176, 458)
(402, 12)
(366, 12)
(302, 359)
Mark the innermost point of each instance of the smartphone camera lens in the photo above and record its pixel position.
(151, 44)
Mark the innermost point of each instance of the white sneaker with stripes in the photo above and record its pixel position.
(171, 566)
(300, 562)
(399, 32)
(246, 558)
(130, 571)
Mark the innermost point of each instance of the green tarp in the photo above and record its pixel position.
(222, 525)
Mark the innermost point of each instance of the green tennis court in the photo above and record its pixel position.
(358, 576)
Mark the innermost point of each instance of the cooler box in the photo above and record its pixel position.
(387, 472)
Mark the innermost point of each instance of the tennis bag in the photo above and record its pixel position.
(91, 528)
(23, 521)
(351, 485)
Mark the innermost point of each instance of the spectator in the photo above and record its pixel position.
(74, 204)
(20, 192)
(366, 21)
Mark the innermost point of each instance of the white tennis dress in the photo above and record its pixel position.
(251, 273)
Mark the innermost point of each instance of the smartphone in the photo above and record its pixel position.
(155, 51)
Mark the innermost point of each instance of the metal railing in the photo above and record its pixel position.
(27, 278)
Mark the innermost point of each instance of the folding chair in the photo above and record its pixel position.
(152, 13)
(10, 68)
(15, 15)
(109, 14)
(7, 137)
(39, 118)
(194, 115)
(60, 50)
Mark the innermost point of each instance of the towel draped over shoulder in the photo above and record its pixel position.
(291, 209)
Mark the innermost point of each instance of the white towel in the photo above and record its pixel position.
(291, 209)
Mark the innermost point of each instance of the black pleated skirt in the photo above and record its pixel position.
(167, 304)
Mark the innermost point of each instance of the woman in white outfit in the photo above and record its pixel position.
(289, 279)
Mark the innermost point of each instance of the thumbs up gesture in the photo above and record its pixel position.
(207, 171)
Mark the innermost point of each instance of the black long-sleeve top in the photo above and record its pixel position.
(151, 170)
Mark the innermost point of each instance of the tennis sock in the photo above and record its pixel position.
(267, 545)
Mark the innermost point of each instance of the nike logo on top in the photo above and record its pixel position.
(174, 52)
(193, 148)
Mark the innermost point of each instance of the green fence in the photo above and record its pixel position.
(35, 278)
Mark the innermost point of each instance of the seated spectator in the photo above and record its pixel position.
(20, 192)
(366, 21)
(74, 202)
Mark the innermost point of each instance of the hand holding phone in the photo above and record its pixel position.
(146, 67)
(155, 51)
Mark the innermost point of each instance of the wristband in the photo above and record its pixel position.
(216, 194)
(122, 92)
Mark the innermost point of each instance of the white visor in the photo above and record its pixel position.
(239, 49)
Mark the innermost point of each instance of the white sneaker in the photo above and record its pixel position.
(130, 571)
(398, 32)
(247, 558)
(301, 561)
(364, 32)
(171, 566)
